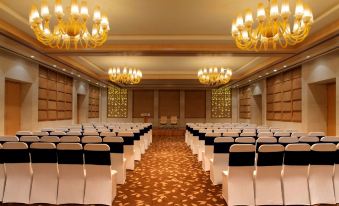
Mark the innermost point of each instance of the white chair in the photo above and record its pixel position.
(265, 140)
(128, 148)
(29, 139)
(238, 183)
(207, 152)
(298, 134)
(71, 185)
(295, 174)
(245, 140)
(136, 144)
(90, 133)
(309, 140)
(220, 159)
(201, 143)
(268, 190)
(50, 139)
(316, 134)
(288, 140)
(330, 139)
(58, 133)
(336, 176)
(45, 173)
(118, 162)
(91, 139)
(163, 120)
(265, 134)
(47, 130)
(18, 173)
(100, 183)
(108, 134)
(248, 134)
(4, 139)
(69, 139)
(230, 134)
(320, 178)
(74, 133)
(174, 120)
(40, 133)
(23, 133)
(281, 134)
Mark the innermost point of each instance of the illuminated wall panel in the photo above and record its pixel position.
(221, 105)
(117, 102)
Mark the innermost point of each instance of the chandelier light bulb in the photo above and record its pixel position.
(128, 76)
(272, 28)
(214, 76)
(70, 31)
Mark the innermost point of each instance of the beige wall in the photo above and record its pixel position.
(315, 74)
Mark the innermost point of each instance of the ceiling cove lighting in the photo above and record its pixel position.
(272, 27)
(214, 76)
(70, 29)
(124, 75)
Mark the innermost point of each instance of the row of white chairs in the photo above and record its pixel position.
(62, 174)
(298, 174)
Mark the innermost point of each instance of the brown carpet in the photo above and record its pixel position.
(168, 174)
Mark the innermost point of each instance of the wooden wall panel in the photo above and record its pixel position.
(284, 96)
(169, 103)
(143, 102)
(195, 104)
(55, 91)
(12, 107)
(245, 99)
(93, 107)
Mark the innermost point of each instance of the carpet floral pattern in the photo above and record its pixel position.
(168, 174)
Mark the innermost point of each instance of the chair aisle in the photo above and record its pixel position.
(79, 164)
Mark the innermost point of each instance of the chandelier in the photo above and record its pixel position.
(125, 75)
(272, 28)
(214, 76)
(70, 30)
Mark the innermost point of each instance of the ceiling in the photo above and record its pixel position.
(165, 39)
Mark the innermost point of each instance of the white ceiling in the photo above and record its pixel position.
(166, 66)
(169, 21)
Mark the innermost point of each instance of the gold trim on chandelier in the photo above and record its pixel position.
(214, 76)
(71, 31)
(272, 28)
(125, 75)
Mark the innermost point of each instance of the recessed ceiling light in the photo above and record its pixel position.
(285, 66)
(104, 86)
(267, 73)
(32, 56)
(54, 65)
(63, 69)
(89, 80)
(260, 76)
(275, 70)
(72, 73)
(308, 57)
(249, 80)
(97, 83)
(79, 75)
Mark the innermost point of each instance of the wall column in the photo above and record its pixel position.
(156, 108)
(2, 102)
(182, 109)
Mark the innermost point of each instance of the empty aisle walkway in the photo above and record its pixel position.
(168, 174)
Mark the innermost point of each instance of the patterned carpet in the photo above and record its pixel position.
(168, 174)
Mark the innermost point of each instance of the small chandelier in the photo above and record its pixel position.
(125, 75)
(214, 76)
(272, 27)
(70, 31)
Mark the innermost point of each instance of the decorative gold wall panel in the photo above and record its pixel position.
(221, 105)
(117, 102)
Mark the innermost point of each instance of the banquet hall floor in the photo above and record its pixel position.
(168, 174)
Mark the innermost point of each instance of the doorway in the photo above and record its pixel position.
(80, 102)
(331, 109)
(258, 109)
(12, 107)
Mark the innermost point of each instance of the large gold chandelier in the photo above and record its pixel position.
(272, 27)
(125, 75)
(70, 29)
(214, 76)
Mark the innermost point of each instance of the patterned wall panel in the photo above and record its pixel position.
(93, 107)
(55, 95)
(284, 96)
(117, 103)
(221, 105)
